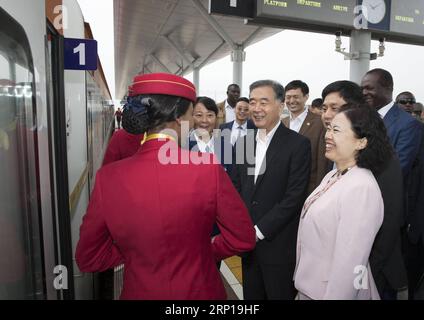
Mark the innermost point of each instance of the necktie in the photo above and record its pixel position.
(238, 135)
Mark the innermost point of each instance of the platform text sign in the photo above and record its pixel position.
(397, 20)
(236, 8)
(407, 17)
(337, 12)
(80, 54)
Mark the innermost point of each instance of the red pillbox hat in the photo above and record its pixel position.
(163, 83)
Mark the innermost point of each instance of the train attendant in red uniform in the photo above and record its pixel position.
(125, 143)
(155, 211)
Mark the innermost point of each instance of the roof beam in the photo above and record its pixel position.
(212, 22)
(180, 69)
(189, 67)
(159, 63)
(146, 69)
(178, 49)
(252, 37)
(200, 66)
(152, 46)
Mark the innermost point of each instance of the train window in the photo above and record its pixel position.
(4, 67)
(20, 245)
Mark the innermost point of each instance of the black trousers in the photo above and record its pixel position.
(106, 285)
(266, 282)
(414, 261)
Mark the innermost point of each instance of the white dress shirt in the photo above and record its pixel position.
(296, 124)
(262, 144)
(230, 112)
(383, 111)
(238, 131)
(203, 146)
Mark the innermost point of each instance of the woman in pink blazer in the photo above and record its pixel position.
(341, 218)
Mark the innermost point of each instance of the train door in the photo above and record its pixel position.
(59, 162)
(22, 271)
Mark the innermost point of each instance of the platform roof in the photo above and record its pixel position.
(151, 35)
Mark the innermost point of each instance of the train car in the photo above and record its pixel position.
(54, 128)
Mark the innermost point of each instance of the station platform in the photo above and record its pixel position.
(232, 278)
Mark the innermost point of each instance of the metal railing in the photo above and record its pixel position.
(118, 281)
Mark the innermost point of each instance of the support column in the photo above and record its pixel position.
(196, 79)
(238, 56)
(360, 46)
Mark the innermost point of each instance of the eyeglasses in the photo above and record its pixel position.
(406, 101)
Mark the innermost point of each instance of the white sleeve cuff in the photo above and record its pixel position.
(259, 233)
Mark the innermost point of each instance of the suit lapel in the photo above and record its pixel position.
(306, 125)
(250, 167)
(391, 117)
(273, 149)
(250, 124)
(192, 143)
(230, 125)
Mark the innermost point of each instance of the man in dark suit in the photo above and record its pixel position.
(415, 222)
(388, 268)
(273, 185)
(308, 125)
(405, 135)
(238, 128)
(406, 101)
(403, 130)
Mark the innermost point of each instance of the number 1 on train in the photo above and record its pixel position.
(81, 51)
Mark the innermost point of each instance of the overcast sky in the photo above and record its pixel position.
(285, 56)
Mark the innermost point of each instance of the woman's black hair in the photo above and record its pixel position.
(209, 104)
(146, 112)
(366, 123)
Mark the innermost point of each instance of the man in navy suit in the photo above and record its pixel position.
(406, 100)
(405, 134)
(403, 130)
(415, 223)
(242, 123)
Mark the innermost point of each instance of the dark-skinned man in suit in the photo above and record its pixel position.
(405, 135)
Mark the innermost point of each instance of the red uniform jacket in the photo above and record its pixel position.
(122, 145)
(157, 219)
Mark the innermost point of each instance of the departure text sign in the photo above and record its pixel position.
(236, 8)
(328, 12)
(407, 17)
(396, 20)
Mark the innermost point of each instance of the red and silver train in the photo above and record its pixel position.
(54, 128)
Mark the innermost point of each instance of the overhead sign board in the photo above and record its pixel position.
(236, 8)
(330, 12)
(396, 20)
(407, 17)
(80, 54)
